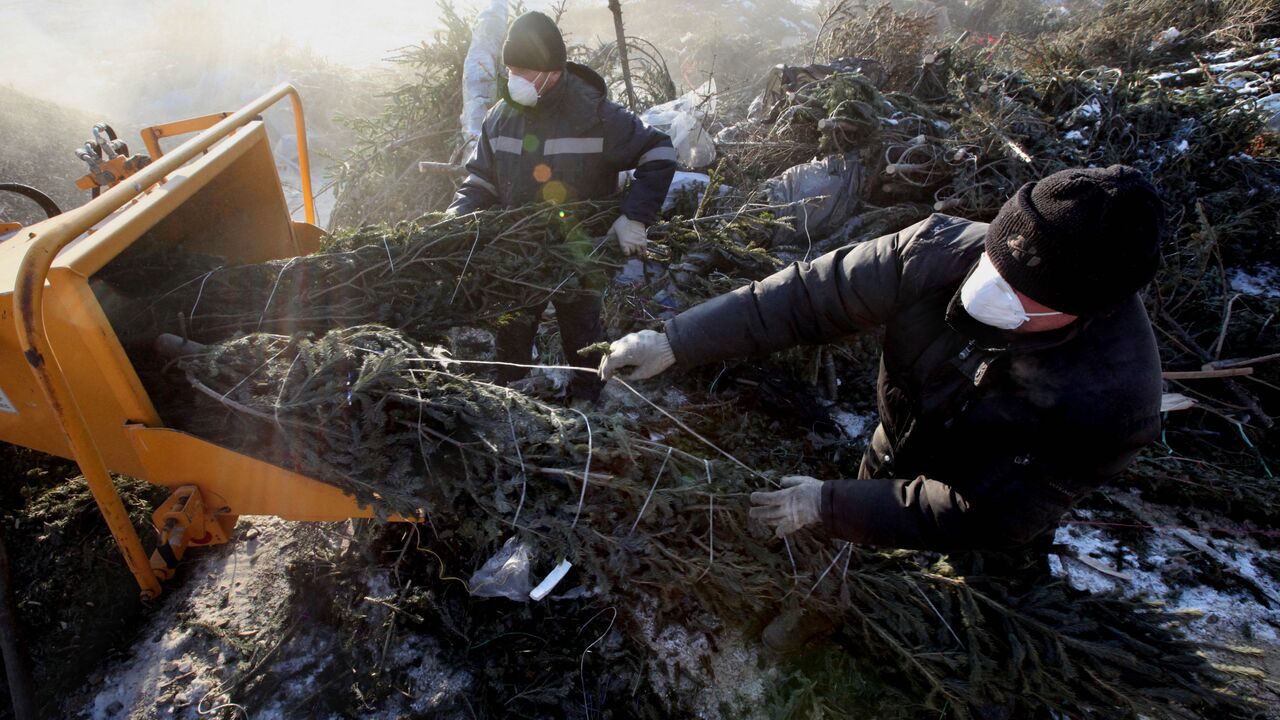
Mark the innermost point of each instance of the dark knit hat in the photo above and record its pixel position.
(534, 42)
(1079, 241)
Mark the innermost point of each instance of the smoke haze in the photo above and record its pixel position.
(135, 63)
(112, 58)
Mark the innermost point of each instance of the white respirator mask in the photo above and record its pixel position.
(523, 91)
(990, 300)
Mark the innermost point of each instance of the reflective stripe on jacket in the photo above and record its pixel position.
(986, 436)
(570, 146)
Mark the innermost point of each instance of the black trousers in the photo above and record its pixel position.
(580, 325)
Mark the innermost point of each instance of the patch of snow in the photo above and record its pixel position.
(234, 595)
(557, 378)
(471, 343)
(239, 596)
(1224, 67)
(1158, 571)
(1089, 110)
(673, 398)
(1264, 281)
(722, 679)
(433, 683)
(854, 426)
(1225, 610)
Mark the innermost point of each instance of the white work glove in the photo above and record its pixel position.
(797, 504)
(649, 352)
(632, 236)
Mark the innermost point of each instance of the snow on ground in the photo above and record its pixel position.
(1144, 573)
(1076, 136)
(234, 610)
(1263, 281)
(1219, 585)
(854, 425)
(1089, 110)
(236, 592)
(726, 677)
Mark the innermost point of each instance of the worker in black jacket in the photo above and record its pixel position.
(1019, 370)
(555, 137)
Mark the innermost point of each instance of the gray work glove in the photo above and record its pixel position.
(649, 352)
(632, 236)
(797, 504)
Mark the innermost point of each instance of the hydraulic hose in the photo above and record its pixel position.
(45, 202)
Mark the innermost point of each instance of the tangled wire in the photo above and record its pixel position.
(651, 506)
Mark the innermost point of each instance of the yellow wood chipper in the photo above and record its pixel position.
(67, 386)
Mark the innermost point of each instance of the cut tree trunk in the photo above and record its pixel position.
(616, 8)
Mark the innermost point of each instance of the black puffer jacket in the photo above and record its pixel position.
(570, 146)
(986, 436)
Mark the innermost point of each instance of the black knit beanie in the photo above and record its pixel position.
(534, 42)
(1079, 241)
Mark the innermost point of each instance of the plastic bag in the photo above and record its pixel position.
(681, 119)
(820, 195)
(506, 574)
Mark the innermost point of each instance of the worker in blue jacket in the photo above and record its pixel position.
(555, 136)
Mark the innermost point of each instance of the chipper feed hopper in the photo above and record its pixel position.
(67, 386)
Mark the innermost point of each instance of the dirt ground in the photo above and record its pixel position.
(243, 633)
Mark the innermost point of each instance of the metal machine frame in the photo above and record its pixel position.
(91, 388)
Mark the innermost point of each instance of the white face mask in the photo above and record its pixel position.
(523, 91)
(991, 301)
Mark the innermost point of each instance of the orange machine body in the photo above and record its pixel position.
(222, 197)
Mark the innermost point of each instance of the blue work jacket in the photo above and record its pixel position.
(570, 146)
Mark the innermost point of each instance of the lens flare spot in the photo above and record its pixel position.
(555, 192)
(542, 172)
(531, 143)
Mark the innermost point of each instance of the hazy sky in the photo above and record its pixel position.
(75, 51)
